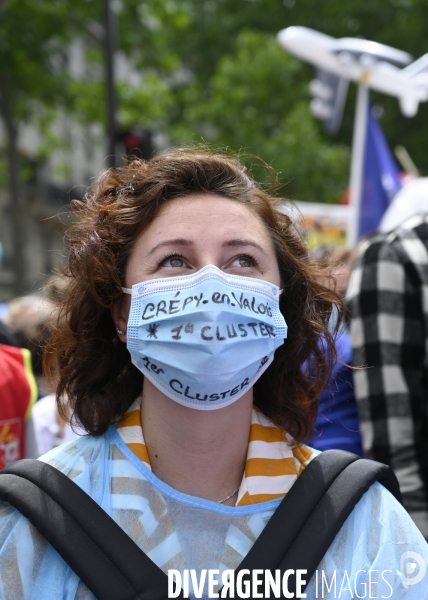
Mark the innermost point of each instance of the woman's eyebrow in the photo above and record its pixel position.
(174, 242)
(242, 242)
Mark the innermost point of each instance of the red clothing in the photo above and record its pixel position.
(18, 392)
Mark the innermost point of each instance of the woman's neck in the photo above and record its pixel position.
(201, 453)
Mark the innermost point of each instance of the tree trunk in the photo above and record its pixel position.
(17, 208)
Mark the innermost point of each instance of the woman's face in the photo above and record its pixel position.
(198, 230)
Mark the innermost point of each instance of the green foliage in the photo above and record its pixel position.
(35, 79)
(3, 171)
(146, 104)
(257, 103)
(211, 70)
(34, 38)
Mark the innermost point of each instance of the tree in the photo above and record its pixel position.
(210, 70)
(232, 85)
(33, 84)
(257, 104)
(228, 85)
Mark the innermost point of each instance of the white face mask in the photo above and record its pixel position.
(204, 339)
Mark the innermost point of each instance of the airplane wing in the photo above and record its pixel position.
(363, 61)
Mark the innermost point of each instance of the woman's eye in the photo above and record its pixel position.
(173, 261)
(244, 261)
(176, 262)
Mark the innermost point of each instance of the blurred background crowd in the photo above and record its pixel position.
(85, 82)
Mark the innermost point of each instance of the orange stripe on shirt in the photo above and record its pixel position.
(302, 453)
(260, 472)
(140, 450)
(131, 419)
(266, 434)
(246, 500)
(269, 467)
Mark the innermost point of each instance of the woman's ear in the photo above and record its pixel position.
(120, 313)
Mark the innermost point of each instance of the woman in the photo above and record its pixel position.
(173, 350)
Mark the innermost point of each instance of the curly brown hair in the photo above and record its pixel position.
(93, 366)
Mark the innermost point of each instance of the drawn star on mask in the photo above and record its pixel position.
(151, 331)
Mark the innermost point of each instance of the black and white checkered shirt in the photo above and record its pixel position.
(388, 297)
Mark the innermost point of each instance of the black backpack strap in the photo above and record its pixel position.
(326, 520)
(105, 558)
(113, 567)
(306, 522)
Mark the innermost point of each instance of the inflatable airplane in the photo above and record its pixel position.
(380, 67)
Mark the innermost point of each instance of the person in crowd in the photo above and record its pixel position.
(337, 423)
(388, 299)
(192, 312)
(51, 429)
(27, 319)
(18, 392)
(6, 337)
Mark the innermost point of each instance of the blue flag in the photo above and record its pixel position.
(381, 178)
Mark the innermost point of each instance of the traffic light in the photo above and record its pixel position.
(137, 141)
(328, 99)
